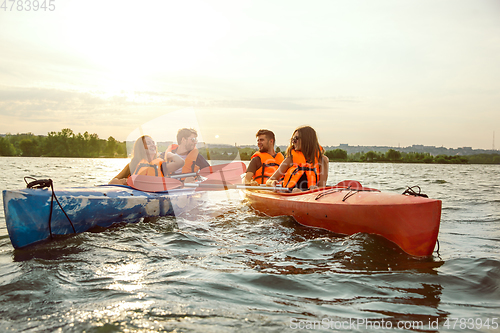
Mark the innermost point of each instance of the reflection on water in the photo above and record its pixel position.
(225, 267)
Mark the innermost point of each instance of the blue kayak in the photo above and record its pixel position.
(32, 216)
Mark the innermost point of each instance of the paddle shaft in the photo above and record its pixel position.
(182, 175)
(237, 187)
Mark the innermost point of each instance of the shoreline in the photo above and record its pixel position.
(247, 160)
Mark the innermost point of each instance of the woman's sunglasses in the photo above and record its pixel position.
(295, 139)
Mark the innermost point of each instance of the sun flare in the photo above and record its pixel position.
(140, 43)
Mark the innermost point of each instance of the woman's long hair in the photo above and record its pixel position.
(139, 152)
(309, 145)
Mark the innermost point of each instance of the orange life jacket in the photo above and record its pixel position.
(190, 160)
(300, 167)
(269, 165)
(146, 168)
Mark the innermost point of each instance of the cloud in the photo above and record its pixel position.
(45, 103)
(359, 72)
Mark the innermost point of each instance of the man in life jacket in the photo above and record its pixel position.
(265, 161)
(187, 138)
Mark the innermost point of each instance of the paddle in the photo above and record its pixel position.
(161, 184)
(216, 187)
(184, 175)
(152, 183)
(233, 168)
(219, 175)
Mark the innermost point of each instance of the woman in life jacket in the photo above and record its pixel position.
(145, 162)
(305, 167)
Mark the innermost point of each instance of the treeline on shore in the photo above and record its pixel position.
(393, 156)
(61, 144)
(68, 144)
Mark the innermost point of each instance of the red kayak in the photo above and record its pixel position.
(410, 221)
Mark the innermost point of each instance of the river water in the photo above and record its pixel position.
(227, 268)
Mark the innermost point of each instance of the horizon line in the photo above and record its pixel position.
(340, 145)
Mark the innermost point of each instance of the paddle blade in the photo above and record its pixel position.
(228, 168)
(153, 184)
(219, 187)
(224, 173)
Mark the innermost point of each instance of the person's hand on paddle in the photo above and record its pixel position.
(271, 182)
(189, 180)
(250, 183)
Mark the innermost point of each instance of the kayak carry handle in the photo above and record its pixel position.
(411, 191)
(40, 183)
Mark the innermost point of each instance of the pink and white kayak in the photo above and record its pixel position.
(410, 221)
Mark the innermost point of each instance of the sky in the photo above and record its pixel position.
(381, 73)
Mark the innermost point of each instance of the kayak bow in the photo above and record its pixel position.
(411, 222)
(27, 211)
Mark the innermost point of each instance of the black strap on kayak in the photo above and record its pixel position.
(43, 183)
(411, 191)
(349, 194)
